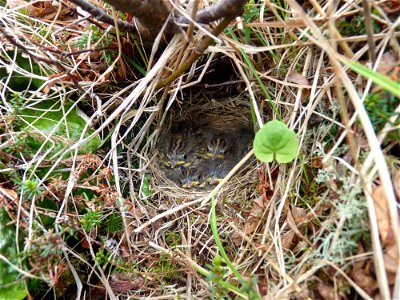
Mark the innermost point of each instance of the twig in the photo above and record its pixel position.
(100, 15)
(224, 8)
(369, 30)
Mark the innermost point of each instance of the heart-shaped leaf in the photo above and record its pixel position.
(274, 139)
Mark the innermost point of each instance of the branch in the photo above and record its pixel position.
(224, 8)
(151, 14)
(102, 16)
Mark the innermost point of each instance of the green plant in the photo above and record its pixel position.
(96, 36)
(145, 188)
(351, 209)
(355, 25)
(24, 72)
(11, 285)
(381, 107)
(102, 257)
(383, 81)
(275, 140)
(91, 219)
(28, 188)
(247, 286)
(113, 223)
(216, 277)
(53, 127)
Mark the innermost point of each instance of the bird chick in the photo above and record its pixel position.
(180, 149)
(216, 148)
(216, 144)
(191, 179)
(217, 172)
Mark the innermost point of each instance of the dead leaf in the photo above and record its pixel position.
(303, 294)
(364, 279)
(254, 217)
(297, 78)
(327, 292)
(41, 9)
(84, 242)
(125, 282)
(251, 226)
(387, 63)
(396, 183)
(391, 7)
(391, 258)
(294, 228)
(97, 292)
(262, 284)
(287, 240)
(382, 215)
(317, 162)
(299, 215)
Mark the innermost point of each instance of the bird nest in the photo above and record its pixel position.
(200, 144)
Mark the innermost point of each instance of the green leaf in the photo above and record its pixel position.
(11, 284)
(146, 186)
(274, 139)
(45, 117)
(378, 78)
(19, 82)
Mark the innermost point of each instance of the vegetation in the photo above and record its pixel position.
(310, 211)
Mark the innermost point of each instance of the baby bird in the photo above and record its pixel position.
(216, 148)
(180, 149)
(216, 144)
(218, 171)
(191, 179)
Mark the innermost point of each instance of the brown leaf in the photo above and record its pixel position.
(364, 279)
(125, 282)
(294, 228)
(41, 9)
(387, 63)
(299, 215)
(7, 194)
(391, 258)
(97, 292)
(303, 294)
(84, 242)
(396, 183)
(251, 225)
(317, 162)
(382, 215)
(327, 292)
(297, 78)
(253, 219)
(287, 240)
(121, 68)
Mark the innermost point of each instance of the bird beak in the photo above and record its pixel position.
(214, 156)
(215, 180)
(189, 184)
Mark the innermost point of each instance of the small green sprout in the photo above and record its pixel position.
(275, 139)
(91, 219)
(29, 188)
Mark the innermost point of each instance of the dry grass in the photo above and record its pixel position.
(324, 226)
